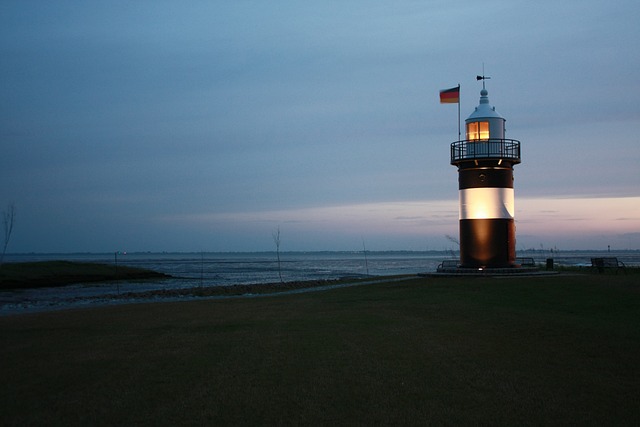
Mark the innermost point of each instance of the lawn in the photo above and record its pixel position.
(551, 350)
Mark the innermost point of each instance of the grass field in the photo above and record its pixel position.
(557, 350)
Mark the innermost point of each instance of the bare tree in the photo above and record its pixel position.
(8, 218)
(276, 240)
(452, 240)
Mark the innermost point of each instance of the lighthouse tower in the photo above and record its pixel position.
(485, 161)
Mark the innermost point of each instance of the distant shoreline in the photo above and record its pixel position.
(313, 252)
(40, 274)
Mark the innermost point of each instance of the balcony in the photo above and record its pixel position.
(504, 149)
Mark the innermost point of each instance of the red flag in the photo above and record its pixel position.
(450, 96)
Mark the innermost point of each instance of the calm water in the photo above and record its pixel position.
(224, 269)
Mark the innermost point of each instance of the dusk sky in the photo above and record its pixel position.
(207, 125)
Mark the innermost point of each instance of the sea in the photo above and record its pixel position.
(200, 269)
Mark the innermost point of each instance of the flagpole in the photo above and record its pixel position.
(459, 134)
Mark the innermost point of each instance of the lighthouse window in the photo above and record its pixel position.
(477, 130)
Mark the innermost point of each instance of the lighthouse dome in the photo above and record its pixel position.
(484, 110)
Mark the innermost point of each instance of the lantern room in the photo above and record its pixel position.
(484, 123)
(485, 131)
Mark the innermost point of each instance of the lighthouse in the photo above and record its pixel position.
(485, 160)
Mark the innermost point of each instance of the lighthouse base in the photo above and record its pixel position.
(487, 243)
(446, 270)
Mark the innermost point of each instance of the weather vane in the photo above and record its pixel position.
(482, 77)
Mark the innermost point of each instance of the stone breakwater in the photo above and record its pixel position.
(18, 303)
(21, 306)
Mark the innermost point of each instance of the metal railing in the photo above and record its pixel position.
(508, 149)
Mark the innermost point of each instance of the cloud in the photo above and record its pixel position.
(430, 219)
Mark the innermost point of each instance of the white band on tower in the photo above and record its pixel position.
(487, 203)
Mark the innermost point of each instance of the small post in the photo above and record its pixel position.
(115, 255)
(366, 264)
(276, 240)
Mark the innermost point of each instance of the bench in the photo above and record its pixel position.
(526, 262)
(448, 264)
(607, 262)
